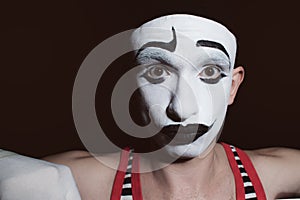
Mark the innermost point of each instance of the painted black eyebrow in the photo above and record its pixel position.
(169, 46)
(208, 43)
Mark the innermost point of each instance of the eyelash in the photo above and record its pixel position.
(162, 72)
(149, 73)
(215, 68)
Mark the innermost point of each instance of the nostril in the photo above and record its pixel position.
(173, 115)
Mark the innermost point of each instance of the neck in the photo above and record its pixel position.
(196, 171)
(195, 175)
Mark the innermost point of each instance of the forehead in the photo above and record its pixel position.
(187, 36)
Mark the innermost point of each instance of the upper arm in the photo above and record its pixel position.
(279, 170)
(289, 166)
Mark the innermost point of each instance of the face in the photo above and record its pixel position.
(185, 80)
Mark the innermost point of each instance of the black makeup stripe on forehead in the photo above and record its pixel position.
(169, 46)
(208, 43)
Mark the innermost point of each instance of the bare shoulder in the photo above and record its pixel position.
(67, 156)
(94, 174)
(278, 169)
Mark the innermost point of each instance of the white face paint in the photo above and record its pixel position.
(186, 77)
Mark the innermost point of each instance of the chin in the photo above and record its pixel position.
(198, 148)
(187, 151)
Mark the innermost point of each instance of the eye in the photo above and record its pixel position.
(211, 74)
(156, 74)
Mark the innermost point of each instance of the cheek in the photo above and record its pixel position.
(156, 94)
(220, 94)
(211, 100)
(157, 99)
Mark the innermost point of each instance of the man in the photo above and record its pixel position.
(186, 79)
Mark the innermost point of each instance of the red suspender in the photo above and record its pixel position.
(239, 184)
(135, 181)
(240, 192)
(260, 193)
(120, 174)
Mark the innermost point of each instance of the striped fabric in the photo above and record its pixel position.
(248, 186)
(127, 187)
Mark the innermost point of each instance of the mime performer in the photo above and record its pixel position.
(186, 80)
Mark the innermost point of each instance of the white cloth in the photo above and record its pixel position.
(25, 178)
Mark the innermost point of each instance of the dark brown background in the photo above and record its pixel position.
(43, 43)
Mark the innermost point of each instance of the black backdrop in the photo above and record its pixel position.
(44, 42)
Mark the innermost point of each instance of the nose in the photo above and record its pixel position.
(183, 103)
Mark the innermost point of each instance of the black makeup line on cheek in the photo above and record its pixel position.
(152, 80)
(213, 81)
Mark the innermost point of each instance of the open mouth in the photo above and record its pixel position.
(185, 134)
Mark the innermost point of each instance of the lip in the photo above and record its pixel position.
(180, 135)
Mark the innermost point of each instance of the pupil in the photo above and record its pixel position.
(158, 71)
(209, 71)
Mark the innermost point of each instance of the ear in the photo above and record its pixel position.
(237, 78)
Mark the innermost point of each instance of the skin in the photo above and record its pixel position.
(206, 176)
